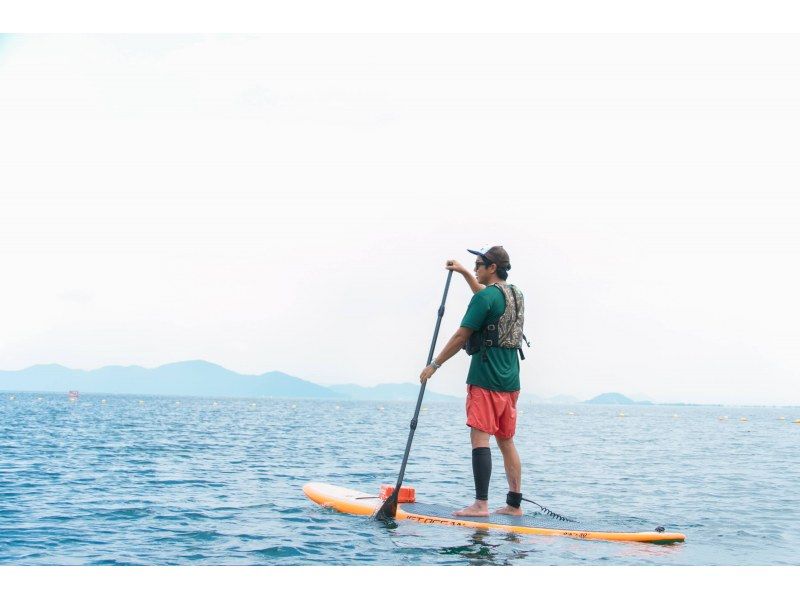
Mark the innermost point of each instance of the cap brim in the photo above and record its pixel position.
(475, 251)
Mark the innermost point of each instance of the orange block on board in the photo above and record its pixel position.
(407, 493)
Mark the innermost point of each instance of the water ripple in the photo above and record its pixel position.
(202, 483)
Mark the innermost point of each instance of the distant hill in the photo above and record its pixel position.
(615, 398)
(204, 379)
(610, 398)
(642, 398)
(187, 378)
(387, 392)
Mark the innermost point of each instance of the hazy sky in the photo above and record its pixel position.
(288, 202)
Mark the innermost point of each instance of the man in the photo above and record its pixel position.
(493, 379)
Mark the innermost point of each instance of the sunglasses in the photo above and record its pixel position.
(479, 264)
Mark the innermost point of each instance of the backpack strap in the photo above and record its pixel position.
(527, 342)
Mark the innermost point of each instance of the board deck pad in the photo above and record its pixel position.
(527, 520)
(355, 502)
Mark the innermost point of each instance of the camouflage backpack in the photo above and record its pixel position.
(505, 332)
(509, 327)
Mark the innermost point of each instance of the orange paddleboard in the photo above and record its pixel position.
(355, 502)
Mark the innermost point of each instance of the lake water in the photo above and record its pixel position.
(203, 481)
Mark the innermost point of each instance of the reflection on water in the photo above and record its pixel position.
(479, 550)
(490, 548)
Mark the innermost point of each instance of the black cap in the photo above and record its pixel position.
(495, 255)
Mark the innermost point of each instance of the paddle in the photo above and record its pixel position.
(389, 508)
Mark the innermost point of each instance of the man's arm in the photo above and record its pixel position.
(453, 346)
(471, 281)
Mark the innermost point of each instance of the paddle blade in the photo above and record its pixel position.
(388, 509)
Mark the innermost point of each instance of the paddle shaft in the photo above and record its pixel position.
(389, 508)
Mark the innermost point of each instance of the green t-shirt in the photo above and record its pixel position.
(501, 370)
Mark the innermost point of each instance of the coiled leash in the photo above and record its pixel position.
(514, 499)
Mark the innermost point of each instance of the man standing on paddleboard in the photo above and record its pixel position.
(491, 331)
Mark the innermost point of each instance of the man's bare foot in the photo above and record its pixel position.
(480, 508)
(509, 510)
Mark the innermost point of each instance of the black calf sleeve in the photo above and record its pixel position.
(482, 471)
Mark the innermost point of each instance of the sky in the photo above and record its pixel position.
(287, 202)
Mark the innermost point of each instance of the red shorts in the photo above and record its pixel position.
(492, 411)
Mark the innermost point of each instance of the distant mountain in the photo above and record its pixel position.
(387, 392)
(615, 398)
(205, 379)
(642, 398)
(187, 378)
(611, 398)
